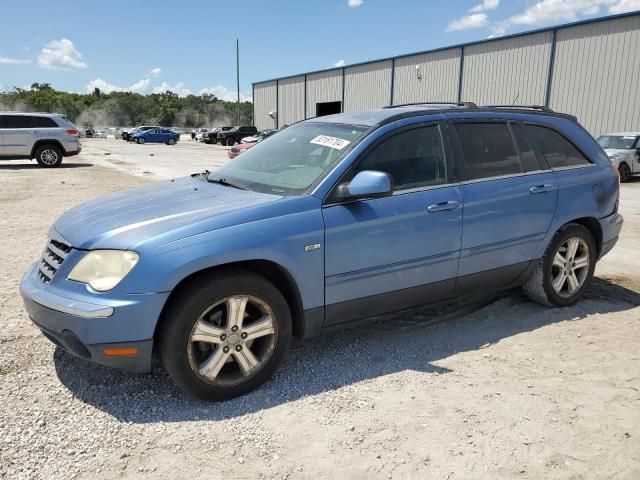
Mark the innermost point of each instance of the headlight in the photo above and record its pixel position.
(104, 269)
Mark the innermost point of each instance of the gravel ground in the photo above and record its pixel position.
(498, 388)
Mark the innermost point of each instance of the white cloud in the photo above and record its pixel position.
(339, 63)
(475, 20)
(355, 3)
(178, 89)
(61, 54)
(485, 5)
(106, 87)
(623, 6)
(155, 71)
(223, 93)
(13, 61)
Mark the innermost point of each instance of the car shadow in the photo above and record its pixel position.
(414, 340)
(34, 165)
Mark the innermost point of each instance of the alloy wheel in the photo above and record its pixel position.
(232, 340)
(570, 268)
(49, 157)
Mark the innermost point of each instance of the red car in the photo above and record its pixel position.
(238, 148)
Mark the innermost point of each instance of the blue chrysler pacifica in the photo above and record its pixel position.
(331, 220)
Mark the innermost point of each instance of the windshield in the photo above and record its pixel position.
(291, 161)
(617, 142)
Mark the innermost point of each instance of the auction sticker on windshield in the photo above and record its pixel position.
(331, 142)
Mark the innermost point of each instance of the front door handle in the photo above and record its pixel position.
(443, 206)
(541, 188)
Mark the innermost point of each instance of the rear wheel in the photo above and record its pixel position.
(566, 268)
(625, 172)
(49, 156)
(224, 337)
(171, 141)
(230, 142)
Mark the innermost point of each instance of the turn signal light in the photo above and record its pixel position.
(120, 352)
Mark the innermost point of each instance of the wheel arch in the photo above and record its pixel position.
(275, 273)
(42, 142)
(593, 225)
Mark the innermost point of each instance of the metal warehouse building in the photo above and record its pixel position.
(590, 69)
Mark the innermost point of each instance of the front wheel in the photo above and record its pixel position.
(225, 335)
(140, 141)
(625, 172)
(49, 156)
(566, 268)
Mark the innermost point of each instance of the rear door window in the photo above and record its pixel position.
(488, 149)
(17, 121)
(556, 149)
(528, 157)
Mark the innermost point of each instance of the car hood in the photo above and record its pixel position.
(616, 151)
(130, 217)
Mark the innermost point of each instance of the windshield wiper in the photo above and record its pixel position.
(223, 181)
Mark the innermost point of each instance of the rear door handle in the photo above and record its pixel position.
(541, 188)
(443, 206)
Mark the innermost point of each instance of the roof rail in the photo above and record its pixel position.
(457, 104)
(541, 108)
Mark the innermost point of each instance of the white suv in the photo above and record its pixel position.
(623, 149)
(47, 137)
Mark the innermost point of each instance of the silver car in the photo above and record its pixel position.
(47, 137)
(623, 149)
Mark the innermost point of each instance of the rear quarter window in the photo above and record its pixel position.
(557, 150)
(43, 122)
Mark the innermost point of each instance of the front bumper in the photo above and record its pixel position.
(611, 227)
(94, 327)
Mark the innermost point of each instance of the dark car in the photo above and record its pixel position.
(127, 134)
(233, 136)
(212, 136)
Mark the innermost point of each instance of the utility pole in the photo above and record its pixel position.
(238, 74)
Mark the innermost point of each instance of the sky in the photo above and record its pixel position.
(189, 47)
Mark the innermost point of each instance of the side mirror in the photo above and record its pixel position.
(369, 184)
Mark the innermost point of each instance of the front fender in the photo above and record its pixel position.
(281, 240)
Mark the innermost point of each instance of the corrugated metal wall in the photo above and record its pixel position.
(264, 101)
(439, 73)
(367, 86)
(323, 87)
(507, 71)
(596, 75)
(290, 100)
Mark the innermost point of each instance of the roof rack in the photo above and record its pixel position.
(457, 104)
(541, 108)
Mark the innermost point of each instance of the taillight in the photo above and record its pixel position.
(73, 132)
(617, 170)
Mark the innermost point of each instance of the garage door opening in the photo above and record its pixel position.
(328, 108)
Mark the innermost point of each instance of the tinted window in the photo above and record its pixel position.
(43, 122)
(17, 121)
(557, 150)
(527, 153)
(414, 158)
(488, 149)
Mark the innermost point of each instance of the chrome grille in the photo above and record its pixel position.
(52, 258)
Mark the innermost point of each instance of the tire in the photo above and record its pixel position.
(230, 142)
(202, 309)
(171, 142)
(215, 141)
(625, 172)
(49, 156)
(540, 287)
(140, 141)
